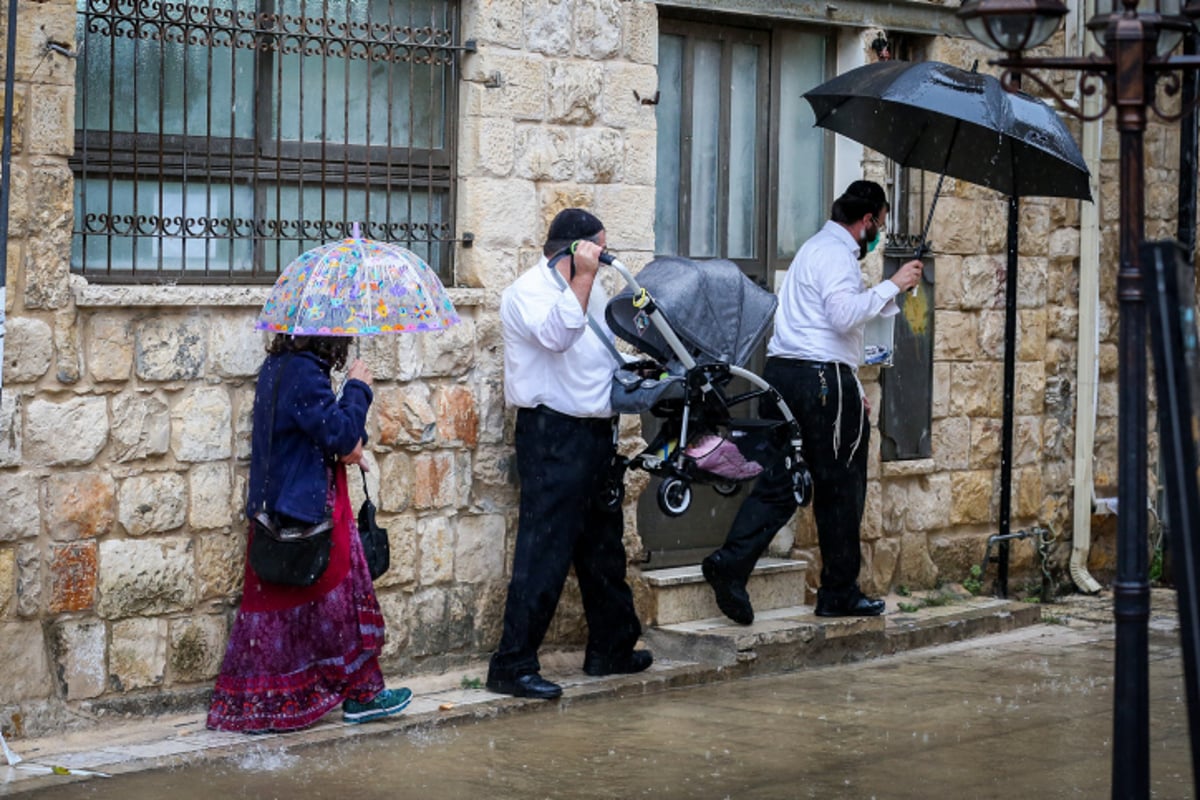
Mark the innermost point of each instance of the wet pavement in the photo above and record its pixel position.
(1026, 712)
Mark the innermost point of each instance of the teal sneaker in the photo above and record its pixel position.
(385, 704)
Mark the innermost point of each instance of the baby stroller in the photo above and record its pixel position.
(699, 322)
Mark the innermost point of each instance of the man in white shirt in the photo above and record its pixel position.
(812, 360)
(558, 375)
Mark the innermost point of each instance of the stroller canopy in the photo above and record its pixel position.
(718, 313)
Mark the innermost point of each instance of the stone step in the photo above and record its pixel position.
(789, 638)
(681, 594)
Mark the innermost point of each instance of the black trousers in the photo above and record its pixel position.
(563, 463)
(839, 477)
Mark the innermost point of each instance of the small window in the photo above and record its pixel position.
(216, 141)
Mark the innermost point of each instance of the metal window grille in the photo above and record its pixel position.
(218, 140)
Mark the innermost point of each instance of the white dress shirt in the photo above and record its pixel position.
(824, 303)
(550, 356)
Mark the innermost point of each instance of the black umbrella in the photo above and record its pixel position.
(939, 118)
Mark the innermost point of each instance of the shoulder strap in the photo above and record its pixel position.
(595, 326)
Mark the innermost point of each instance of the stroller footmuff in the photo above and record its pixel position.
(699, 322)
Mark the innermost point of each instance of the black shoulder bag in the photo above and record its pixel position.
(374, 538)
(291, 555)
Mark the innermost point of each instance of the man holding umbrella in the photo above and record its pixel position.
(559, 374)
(812, 360)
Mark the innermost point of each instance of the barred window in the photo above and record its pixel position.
(218, 140)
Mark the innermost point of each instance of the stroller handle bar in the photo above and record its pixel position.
(656, 317)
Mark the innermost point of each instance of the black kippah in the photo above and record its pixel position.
(573, 223)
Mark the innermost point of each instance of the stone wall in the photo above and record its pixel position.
(124, 414)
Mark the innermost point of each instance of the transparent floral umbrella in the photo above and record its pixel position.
(357, 287)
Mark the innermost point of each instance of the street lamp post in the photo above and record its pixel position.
(1137, 40)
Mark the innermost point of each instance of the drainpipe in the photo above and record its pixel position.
(10, 68)
(1088, 363)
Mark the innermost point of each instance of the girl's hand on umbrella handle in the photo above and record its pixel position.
(356, 456)
(359, 371)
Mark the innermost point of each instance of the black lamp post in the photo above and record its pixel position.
(1137, 39)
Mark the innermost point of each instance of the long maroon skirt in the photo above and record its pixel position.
(296, 653)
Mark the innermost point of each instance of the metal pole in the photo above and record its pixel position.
(1131, 590)
(10, 69)
(1189, 140)
(1006, 421)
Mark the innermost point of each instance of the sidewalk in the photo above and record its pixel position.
(784, 640)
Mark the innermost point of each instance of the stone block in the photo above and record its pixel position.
(880, 566)
(955, 554)
(8, 581)
(73, 431)
(479, 548)
(597, 28)
(915, 568)
(951, 443)
(202, 426)
(73, 577)
(977, 389)
(927, 502)
(543, 153)
(79, 505)
(235, 348)
(573, 90)
(170, 348)
(490, 393)
(437, 481)
(48, 254)
(479, 198)
(956, 337)
(941, 390)
(19, 499)
(152, 502)
(488, 268)
(982, 282)
(547, 25)
(51, 121)
(427, 615)
(971, 497)
(28, 350)
(197, 647)
(513, 86)
(210, 494)
(628, 214)
(494, 22)
(141, 427)
(405, 415)
(395, 482)
(146, 577)
(110, 348)
(621, 100)
(26, 667)
(11, 453)
(641, 152)
(1031, 283)
(137, 655)
(985, 443)
(402, 543)
(490, 147)
(80, 657)
(456, 417)
(435, 546)
(450, 352)
(641, 33)
(600, 156)
(220, 564)
(242, 398)
(29, 580)
(396, 621)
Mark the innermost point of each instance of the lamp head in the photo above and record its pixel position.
(1163, 21)
(1012, 25)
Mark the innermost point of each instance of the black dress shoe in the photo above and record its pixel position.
(528, 685)
(852, 604)
(633, 661)
(731, 594)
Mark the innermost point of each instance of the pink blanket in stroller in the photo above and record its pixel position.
(719, 456)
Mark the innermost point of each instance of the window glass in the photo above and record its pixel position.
(706, 128)
(667, 113)
(801, 146)
(743, 155)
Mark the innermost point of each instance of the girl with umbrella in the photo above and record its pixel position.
(297, 652)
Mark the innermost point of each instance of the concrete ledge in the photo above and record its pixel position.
(681, 593)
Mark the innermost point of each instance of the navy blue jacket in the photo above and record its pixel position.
(312, 428)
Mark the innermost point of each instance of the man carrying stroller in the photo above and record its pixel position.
(559, 376)
(812, 360)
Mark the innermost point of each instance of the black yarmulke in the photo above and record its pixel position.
(573, 223)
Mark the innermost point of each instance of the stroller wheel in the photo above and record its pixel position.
(802, 485)
(674, 497)
(613, 495)
(727, 489)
